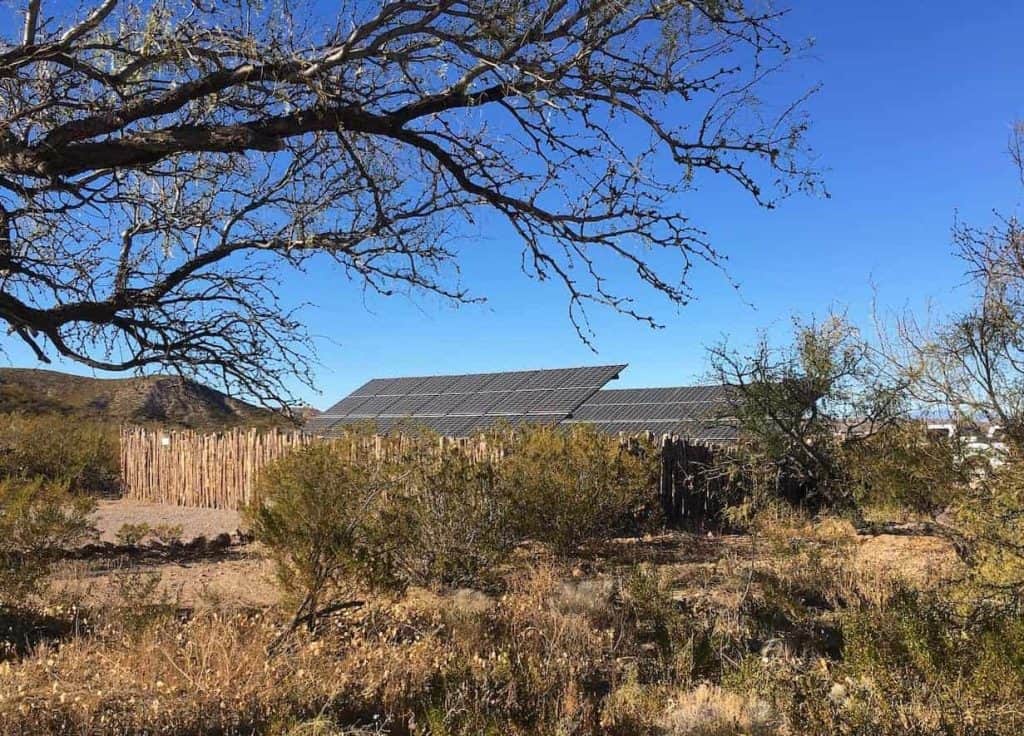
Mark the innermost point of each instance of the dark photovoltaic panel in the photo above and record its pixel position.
(464, 404)
(696, 412)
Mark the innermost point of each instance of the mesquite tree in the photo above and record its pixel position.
(163, 163)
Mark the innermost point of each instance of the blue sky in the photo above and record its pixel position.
(910, 127)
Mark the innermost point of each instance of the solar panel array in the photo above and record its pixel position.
(695, 412)
(465, 404)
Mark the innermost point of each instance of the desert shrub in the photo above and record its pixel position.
(79, 453)
(918, 665)
(326, 521)
(458, 521)
(900, 468)
(333, 516)
(131, 534)
(681, 643)
(566, 486)
(708, 710)
(990, 516)
(789, 401)
(167, 533)
(37, 518)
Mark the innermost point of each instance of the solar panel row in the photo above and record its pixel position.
(451, 426)
(722, 432)
(660, 396)
(697, 412)
(475, 383)
(467, 403)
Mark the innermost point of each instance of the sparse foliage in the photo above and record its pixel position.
(160, 163)
(800, 405)
(460, 521)
(969, 366)
(131, 534)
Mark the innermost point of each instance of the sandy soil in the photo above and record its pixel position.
(236, 577)
(194, 522)
(235, 580)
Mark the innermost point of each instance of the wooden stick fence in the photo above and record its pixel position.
(187, 468)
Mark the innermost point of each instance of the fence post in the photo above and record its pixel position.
(666, 481)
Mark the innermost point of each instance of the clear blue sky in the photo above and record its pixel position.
(910, 126)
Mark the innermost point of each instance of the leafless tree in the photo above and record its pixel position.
(970, 365)
(161, 161)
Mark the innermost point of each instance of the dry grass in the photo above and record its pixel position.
(708, 710)
(596, 645)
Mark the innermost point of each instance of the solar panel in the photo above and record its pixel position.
(697, 412)
(374, 406)
(436, 384)
(440, 405)
(462, 404)
(476, 405)
(510, 381)
(370, 388)
(408, 405)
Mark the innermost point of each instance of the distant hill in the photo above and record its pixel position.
(165, 400)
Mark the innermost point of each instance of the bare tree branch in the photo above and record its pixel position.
(161, 163)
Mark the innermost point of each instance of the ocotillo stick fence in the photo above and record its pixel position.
(186, 468)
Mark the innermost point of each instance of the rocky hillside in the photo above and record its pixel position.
(166, 400)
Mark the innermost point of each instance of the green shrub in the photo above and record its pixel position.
(37, 518)
(335, 519)
(328, 525)
(918, 665)
(459, 521)
(81, 454)
(132, 534)
(901, 469)
(566, 486)
(990, 516)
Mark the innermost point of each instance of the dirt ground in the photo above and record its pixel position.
(239, 576)
(111, 515)
(233, 577)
